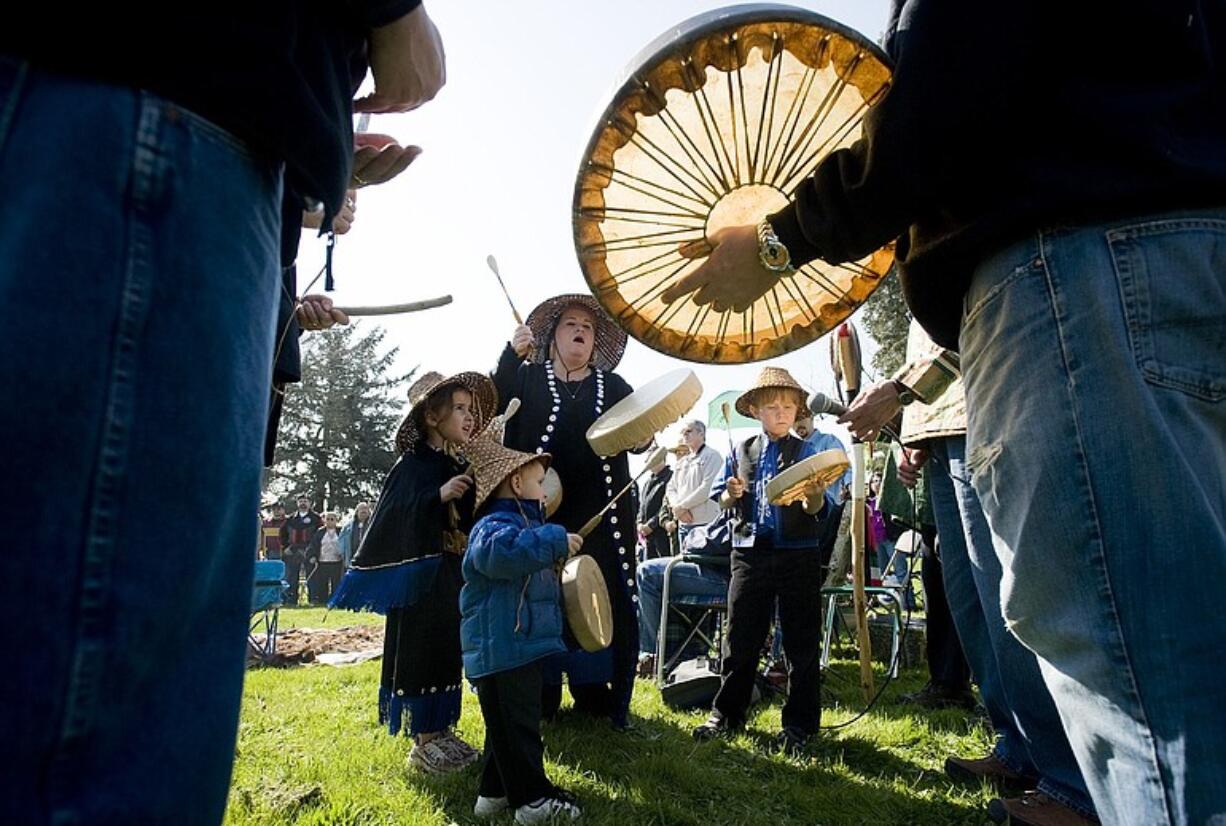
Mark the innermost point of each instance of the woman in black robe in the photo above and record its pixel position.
(559, 365)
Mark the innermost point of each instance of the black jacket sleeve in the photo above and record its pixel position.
(953, 59)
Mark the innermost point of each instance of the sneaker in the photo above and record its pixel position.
(646, 667)
(1036, 809)
(435, 758)
(560, 805)
(791, 741)
(990, 769)
(458, 749)
(715, 726)
(939, 696)
(490, 806)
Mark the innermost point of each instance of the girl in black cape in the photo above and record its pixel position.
(559, 365)
(408, 566)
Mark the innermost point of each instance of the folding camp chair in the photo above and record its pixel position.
(708, 605)
(266, 592)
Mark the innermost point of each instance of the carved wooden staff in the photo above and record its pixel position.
(848, 367)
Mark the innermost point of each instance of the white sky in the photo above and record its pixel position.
(502, 142)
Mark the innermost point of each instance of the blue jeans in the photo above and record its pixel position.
(686, 579)
(1029, 735)
(138, 276)
(1095, 367)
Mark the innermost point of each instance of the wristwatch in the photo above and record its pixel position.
(771, 251)
(905, 394)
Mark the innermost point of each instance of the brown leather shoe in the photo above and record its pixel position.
(990, 769)
(1036, 809)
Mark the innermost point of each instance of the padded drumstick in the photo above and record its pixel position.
(660, 454)
(726, 409)
(493, 264)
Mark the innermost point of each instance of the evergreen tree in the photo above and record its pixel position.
(338, 425)
(886, 319)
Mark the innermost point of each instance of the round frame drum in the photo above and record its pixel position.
(820, 470)
(645, 412)
(716, 124)
(585, 600)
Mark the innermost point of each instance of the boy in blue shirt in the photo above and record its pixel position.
(774, 556)
(511, 619)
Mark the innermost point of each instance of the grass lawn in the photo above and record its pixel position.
(311, 752)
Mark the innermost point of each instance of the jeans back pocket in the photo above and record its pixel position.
(1172, 280)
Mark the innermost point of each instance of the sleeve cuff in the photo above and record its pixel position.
(786, 225)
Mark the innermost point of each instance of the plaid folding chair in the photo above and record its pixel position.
(266, 593)
(707, 607)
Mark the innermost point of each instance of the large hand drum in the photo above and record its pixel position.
(716, 124)
(586, 601)
(818, 471)
(645, 412)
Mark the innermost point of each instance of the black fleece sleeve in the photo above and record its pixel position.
(953, 59)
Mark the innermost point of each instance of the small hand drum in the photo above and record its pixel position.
(585, 600)
(645, 412)
(818, 471)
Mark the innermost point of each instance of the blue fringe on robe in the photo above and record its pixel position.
(427, 713)
(386, 587)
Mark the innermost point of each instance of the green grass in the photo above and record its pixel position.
(310, 752)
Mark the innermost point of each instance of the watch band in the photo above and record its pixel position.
(772, 252)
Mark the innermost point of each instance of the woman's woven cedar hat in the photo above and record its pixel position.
(610, 343)
(485, 402)
(771, 378)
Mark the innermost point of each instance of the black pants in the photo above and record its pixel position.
(514, 754)
(760, 575)
(947, 665)
(322, 585)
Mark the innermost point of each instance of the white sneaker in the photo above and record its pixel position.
(490, 806)
(558, 806)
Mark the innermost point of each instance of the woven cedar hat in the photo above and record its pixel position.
(492, 463)
(485, 402)
(610, 344)
(771, 378)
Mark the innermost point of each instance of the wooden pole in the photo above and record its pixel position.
(857, 569)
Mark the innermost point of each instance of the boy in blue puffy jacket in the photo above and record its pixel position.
(511, 612)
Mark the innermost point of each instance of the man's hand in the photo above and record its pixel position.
(735, 487)
(913, 460)
(645, 530)
(454, 488)
(379, 158)
(408, 64)
(732, 277)
(670, 526)
(522, 340)
(871, 410)
(315, 312)
(574, 544)
(684, 515)
(343, 220)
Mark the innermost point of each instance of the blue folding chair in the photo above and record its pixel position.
(266, 594)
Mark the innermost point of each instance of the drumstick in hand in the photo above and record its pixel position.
(726, 409)
(657, 456)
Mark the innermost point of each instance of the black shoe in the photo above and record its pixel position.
(715, 727)
(933, 695)
(792, 741)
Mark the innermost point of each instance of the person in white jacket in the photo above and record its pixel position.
(689, 491)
